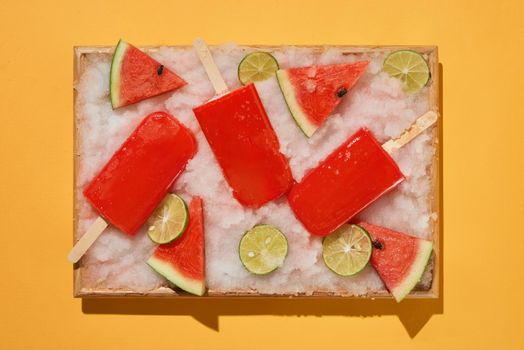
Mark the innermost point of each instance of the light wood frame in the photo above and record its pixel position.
(435, 199)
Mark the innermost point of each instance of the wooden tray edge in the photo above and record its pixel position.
(163, 292)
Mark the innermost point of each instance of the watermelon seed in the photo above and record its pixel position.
(341, 92)
(160, 69)
(377, 244)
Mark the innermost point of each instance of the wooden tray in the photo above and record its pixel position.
(433, 292)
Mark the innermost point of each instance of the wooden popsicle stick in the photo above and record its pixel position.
(209, 65)
(87, 240)
(422, 123)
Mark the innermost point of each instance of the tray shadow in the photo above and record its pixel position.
(412, 313)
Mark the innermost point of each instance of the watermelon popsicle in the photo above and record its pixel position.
(243, 141)
(351, 178)
(137, 177)
(246, 147)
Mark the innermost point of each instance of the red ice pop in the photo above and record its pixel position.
(137, 177)
(140, 173)
(349, 179)
(245, 145)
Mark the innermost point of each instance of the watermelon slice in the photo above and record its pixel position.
(312, 93)
(136, 76)
(182, 261)
(399, 259)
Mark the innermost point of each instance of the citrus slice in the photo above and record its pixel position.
(256, 66)
(263, 249)
(169, 220)
(408, 66)
(347, 250)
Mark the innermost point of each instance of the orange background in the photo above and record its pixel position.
(480, 46)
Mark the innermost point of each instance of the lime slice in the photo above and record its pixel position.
(347, 250)
(256, 66)
(169, 220)
(410, 67)
(263, 249)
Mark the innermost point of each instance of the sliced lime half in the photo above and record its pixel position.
(347, 250)
(263, 249)
(169, 220)
(256, 66)
(410, 67)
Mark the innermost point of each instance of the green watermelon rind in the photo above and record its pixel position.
(115, 74)
(298, 114)
(425, 248)
(190, 285)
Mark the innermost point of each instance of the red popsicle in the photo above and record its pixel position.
(347, 181)
(245, 146)
(140, 173)
(137, 177)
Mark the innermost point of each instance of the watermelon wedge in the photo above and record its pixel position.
(135, 76)
(182, 261)
(312, 93)
(399, 259)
